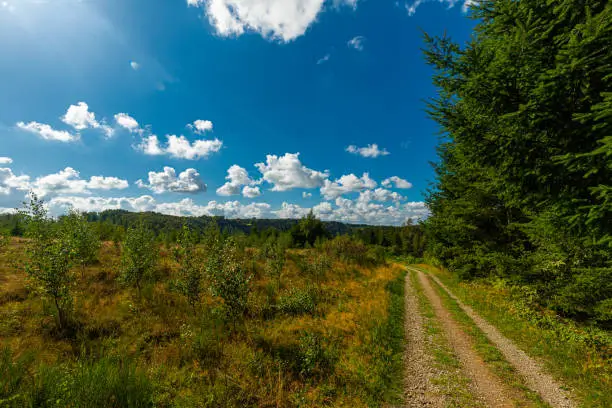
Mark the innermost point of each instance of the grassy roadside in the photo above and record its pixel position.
(579, 357)
(451, 383)
(523, 396)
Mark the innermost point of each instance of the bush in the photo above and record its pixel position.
(315, 357)
(298, 301)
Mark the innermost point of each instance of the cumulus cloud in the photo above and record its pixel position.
(371, 150)
(135, 66)
(47, 132)
(9, 181)
(127, 122)
(306, 195)
(397, 182)
(282, 20)
(201, 126)
(287, 172)
(251, 191)
(79, 117)
(238, 180)
(466, 4)
(356, 43)
(188, 181)
(179, 147)
(185, 207)
(346, 184)
(5, 160)
(68, 181)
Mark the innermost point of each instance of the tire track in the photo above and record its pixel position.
(486, 385)
(535, 376)
(418, 372)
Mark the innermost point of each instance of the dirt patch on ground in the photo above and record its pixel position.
(535, 377)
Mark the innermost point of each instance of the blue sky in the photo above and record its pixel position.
(201, 107)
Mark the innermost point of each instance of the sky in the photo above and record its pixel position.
(239, 108)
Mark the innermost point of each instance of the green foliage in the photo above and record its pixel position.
(298, 301)
(189, 282)
(230, 280)
(523, 181)
(140, 254)
(49, 259)
(5, 239)
(351, 250)
(308, 231)
(80, 237)
(274, 251)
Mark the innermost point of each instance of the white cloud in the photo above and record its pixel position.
(324, 59)
(127, 122)
(251, 192)
(237, 177)
(188, 181)
(179, 147)
(287, 172)
(397, 182)
(359, 211)
(47, 132)
(282, 20)
(381, 195)
(9, 181)
(185, 207)
(5, 160)
(201, 126)
(306, 195)
(135, 66)
(346, 184)
(356, 43)
(79, 117)
(107, 183)
(68, 181)
(466, 4)
(371, 150)
(150, 146)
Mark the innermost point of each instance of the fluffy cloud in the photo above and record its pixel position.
(188, 181)
(282, 20)
(179, 147)
(79, 117)
(346, 184)
(380, 194)
(397, 182)
(201, 126)
(68, 181)
(9, 181)
(370, 150)
(287, 172)
(356, 43)
(135, 66)
(466, 4)
(127, 122)
(47, 132)
(237, 177)
(251, 192)
(185, 207)
(5, 160)
(306, 195)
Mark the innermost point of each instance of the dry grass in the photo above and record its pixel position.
(326, 357)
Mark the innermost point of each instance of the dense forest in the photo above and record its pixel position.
(523, 189)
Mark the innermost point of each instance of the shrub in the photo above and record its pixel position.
(189, 283)
(81, 239)
(298, 301)
(140, 255)
(315, 357)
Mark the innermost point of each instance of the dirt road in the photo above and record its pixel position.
(487, 387)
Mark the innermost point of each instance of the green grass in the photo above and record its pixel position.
(451, 382)
(490, 354)
(580, 357)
